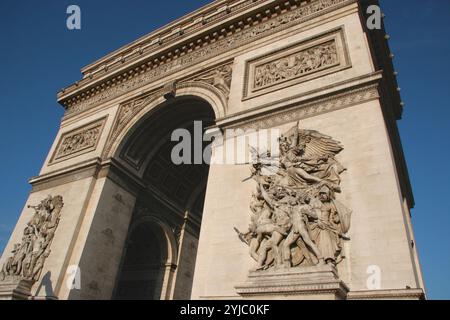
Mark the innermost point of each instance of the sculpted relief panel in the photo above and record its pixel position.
(296, 219)
(28, 257)
(297, 63)
(79, 141)
(219, 77)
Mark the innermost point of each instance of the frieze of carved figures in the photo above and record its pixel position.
(28, 257)
(79, 140)
(296, 65)
(296, 219)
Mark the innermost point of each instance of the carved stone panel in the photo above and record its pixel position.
(297, 63)
(296, 219)
(79, 141)
(28, 257)
(219, 77)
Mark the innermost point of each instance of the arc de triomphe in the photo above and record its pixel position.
(111, 215)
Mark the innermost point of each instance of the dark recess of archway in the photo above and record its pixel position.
(174, 195)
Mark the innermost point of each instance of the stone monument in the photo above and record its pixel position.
(324, 213)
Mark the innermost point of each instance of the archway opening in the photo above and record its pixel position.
(143, 266)
(158, 259)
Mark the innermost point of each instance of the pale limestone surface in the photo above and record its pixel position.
(378, 236)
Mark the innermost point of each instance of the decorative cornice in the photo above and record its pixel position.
(180, 29)
(309, 109)
(92, 168)
(85, 169)
(410, 294)
(258, 25)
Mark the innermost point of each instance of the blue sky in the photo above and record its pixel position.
(40, 55)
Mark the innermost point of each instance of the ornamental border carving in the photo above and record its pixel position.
(59, 156)
(305, 110)
(294, 289)
(148, 72)
(343, 61)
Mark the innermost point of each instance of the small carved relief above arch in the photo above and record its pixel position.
(79, 141)
(219, 77)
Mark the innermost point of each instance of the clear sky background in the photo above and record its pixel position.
(39, 56)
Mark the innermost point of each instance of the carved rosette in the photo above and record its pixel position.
(296, 219)
(28, 257)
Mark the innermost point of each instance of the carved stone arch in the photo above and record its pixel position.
(153, 152)
(218, 99)
(141, 107)
(143, 146)
(168, 249)
(169, 237)
(124, 124)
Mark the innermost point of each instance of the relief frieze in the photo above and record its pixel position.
(78, 141)
(304, 61)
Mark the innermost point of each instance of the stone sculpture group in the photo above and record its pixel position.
(296, 219)
(28, 257)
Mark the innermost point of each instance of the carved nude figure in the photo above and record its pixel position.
(278, 230)
(300, 216)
